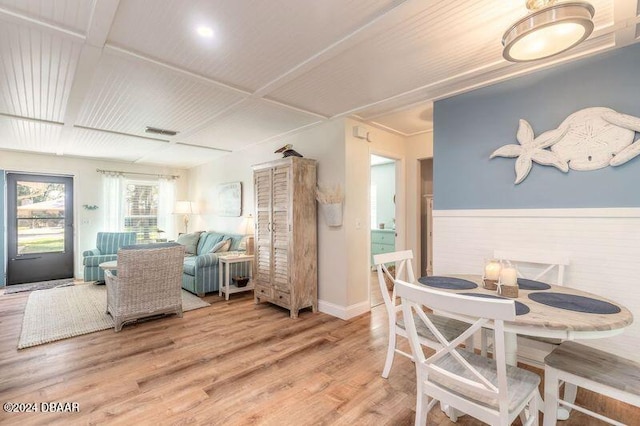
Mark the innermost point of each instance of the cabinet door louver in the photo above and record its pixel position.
(262, 187)
(280, 228)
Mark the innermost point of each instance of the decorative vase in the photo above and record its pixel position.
(332, 213)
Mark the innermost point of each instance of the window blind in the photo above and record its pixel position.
(141, 215)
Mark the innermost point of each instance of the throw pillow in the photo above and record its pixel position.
(189, 241)
(221, 246)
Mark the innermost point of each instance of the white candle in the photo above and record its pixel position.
(508, 276)
(492, 271)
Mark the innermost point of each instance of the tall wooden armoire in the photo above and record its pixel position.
(286, 254)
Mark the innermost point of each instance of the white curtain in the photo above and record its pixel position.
(166, 204)
(113, 202)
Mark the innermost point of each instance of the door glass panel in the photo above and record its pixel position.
(41, 215)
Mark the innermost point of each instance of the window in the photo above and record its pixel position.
(141, 210)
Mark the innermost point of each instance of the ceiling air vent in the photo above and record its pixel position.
(157, 131)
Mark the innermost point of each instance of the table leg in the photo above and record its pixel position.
(220, 283)
(511, 355)
(511, 348)
(227, 281)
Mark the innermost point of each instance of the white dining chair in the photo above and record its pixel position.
(487, 389)
(450, 327)
(547, 267)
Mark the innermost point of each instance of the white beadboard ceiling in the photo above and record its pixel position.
(84, 78)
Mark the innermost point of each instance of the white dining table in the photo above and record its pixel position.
(551, 322)
(548, 321)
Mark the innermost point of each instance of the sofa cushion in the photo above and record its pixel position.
(189, 241)
(189, 266)
(237, 241)
(221, 246)
(207, 241)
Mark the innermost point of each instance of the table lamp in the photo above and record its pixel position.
(185, 208)
(249, 229)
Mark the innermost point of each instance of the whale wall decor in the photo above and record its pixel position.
(589, 139)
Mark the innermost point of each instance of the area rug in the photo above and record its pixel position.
(64, 312)
(40, 285)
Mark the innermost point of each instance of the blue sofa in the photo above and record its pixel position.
(107, 245)
(200, 274)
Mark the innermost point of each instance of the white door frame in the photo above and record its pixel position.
(400, 206)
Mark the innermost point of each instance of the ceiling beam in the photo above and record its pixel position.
(20, 18)
(102, 15)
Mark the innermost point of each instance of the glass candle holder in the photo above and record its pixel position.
(492, 268)
(508, 282)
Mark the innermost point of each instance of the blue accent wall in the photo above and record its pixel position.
(3, 218)
(469, 127)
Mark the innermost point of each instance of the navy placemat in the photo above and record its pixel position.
(448, 283)
(525, 284)
(521, 308)
(572, 302)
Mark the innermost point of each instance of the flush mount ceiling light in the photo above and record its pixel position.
(549, 30)
(204, 32)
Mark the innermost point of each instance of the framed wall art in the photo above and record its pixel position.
(229, 199)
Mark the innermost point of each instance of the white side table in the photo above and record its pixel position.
(109, 266)
(224, 275)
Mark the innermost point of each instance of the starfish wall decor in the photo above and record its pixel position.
(589, 139)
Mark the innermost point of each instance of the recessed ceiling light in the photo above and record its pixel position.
(205, 32)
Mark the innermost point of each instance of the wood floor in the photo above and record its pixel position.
(233, 363)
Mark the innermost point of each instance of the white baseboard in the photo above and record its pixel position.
(343, 312)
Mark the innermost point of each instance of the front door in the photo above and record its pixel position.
(39, 228)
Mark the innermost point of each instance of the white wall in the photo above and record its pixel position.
(602, 245)
(343, 252)
(357, 205)
(418, 147)
(325, 144)
(87, 188)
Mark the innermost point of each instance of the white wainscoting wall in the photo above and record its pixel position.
(603, 246)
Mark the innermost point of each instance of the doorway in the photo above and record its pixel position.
(39, 228)
(426, 217)
(383, 215)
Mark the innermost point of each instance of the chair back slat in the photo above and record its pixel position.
(548, 261)
(402, 261)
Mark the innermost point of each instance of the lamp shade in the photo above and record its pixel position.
(548, 32)
(249, 225)
(184, 207)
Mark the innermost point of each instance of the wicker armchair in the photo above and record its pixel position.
(148, 282)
